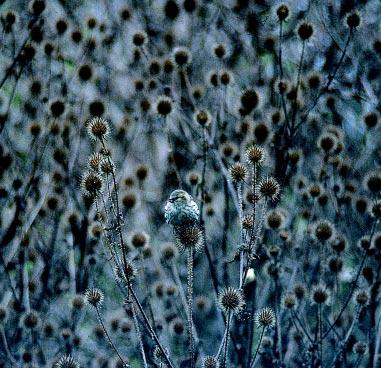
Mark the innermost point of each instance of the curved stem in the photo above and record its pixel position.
(109, 338)
(190, 304)
(226, 341)
(257, 350)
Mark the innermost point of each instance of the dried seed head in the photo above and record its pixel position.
(247, 222)
(375, 209)
(189, 237)
(94, 297)
(220, 50)
(360, 348)
(320, 294)
(210, 362)
(323, 230)
(327, 142)
(164, 106)
(268, 188)
(67, 361)
(353, 20)
(282, 12)
(362, 297)
(91, 184)
(139, 39)
(231, 300)
(249, 101)
(373, 182)
(139, 239)
(289, 301)
(275, 219)
(238, 172)
(255, 155)
(265, 317)
(106, 166)
(300, 291)
(202, 117)
(335, 264)
(31, 320)
(371, 120)
(94, 161)
(168, 252)
(98, 128)
(182, 56)
(305, 31)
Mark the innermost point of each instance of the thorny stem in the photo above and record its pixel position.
(108, 337)
(354, 284)
(241, 260)
(226, 340)
(137, 329)
(190, 304)
(257, 350)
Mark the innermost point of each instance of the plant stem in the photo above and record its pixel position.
(190, 304)
(257, 350)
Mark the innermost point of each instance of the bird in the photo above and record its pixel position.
(181, 209)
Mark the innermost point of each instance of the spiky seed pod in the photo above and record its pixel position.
(182, 56)
(255, 155)
(314, 190)
(373, 181)
(193, 178)
(290, 301)
(129, 201)
(360, 348)
(78, 302)
(226, 77)
(371, 120)
(177, 327)
(31, 320)
(320, 294)
(94, 297)
(98, 128)
(189, 236)
(164, 106)
(67, 361)
(158, 354)
(323, 231)
(353, 20)
(282, 12)
(94, 161)
(238, 172)
(305, 31)
(273, 251)
(231, 300)
(275, 220)
(327, 142)
(220, 50)
(335, 264)
(139, 239)
(268, 188)
(202, 117)
(126, 272)
(249, 101)
(168, 252)
(92, 184)
(300, 291)
(210, 362)
(376, 240)
(362, 297)
(247, 222)
(265, 318)
(106, 166)
(139, 39)
(375, 209)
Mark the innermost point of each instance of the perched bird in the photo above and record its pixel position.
(181, 209)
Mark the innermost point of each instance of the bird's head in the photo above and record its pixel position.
(179, 196)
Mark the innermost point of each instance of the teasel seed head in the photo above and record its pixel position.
(362, 297)
(255, 155)
(189, 236)
(320, 294)
(238, 172)
(168, 252)
(373, 182)
(139, 39)
(94, 297)
(305, 31)
(67, 361)
(164, 106)
(182, 56)
(210, 362)
(94, 161)
(353, 20)
(300, 291)
(248, 222)
(139, 239)
(375, 209)
(360, 348)
(98, 128)
(265, 318)
(202, 117)
(92, 184)
(282, 12)
(268, 188)
(324, 231)
(290, 301)
(231, 300)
